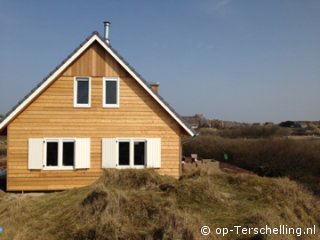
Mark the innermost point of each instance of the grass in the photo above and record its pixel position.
(122, 205)
(134, 204)
(249, 200)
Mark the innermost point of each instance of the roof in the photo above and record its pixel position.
(73, 56)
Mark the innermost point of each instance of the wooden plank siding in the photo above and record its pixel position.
(52, 114)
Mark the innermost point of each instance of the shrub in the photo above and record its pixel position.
(254, 131)
(3, 152)
(297, 159)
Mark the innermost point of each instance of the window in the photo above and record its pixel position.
(82, 92)
(124, 153)
(139, 153)
(68, 153)
(110, 92)
(131, 153)
(52, 153)
(59, 153)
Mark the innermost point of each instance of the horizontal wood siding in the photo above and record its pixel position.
(52, 115)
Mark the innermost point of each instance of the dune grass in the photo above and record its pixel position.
(134, 204)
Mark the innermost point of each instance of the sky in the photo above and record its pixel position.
(236, 60)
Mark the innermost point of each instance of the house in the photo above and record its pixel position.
(197, 121)
(92, 112)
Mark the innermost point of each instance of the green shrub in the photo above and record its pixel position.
(3, 152)
(296, 159)
(254, 131)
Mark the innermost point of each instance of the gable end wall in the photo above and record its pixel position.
(52, 115)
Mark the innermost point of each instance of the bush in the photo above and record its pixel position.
(296, 159)
(3, 152)
(254, 131)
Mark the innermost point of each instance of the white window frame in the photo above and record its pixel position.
(51, 140)
(75, 92)
(104, 104)
(74, 153)
(131, 152)
(60, 153)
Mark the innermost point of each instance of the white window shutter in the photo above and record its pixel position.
(153, 152)
(82, 153)
(109, 153)
(35, 153)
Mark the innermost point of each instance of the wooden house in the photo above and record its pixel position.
(92, 112)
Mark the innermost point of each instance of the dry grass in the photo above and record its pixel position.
(122, 205)
(134, 204)
(248, 200)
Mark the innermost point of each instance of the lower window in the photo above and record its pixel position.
(139, 153)
(52, 153)
(60, 153)
(131, 153)
(124, 153)
(68, 153)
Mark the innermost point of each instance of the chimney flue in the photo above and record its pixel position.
(155, 87)
(106, 31)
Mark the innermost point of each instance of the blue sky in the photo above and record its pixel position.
(241, 60)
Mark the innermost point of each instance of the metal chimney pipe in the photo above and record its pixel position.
(155, 87)
(106, 31)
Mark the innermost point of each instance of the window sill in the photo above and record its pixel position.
(111, 106)
(58, 168)
(131, 167)
(81, 106)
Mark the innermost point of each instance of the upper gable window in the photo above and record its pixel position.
(82, 92)
(110, 92)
